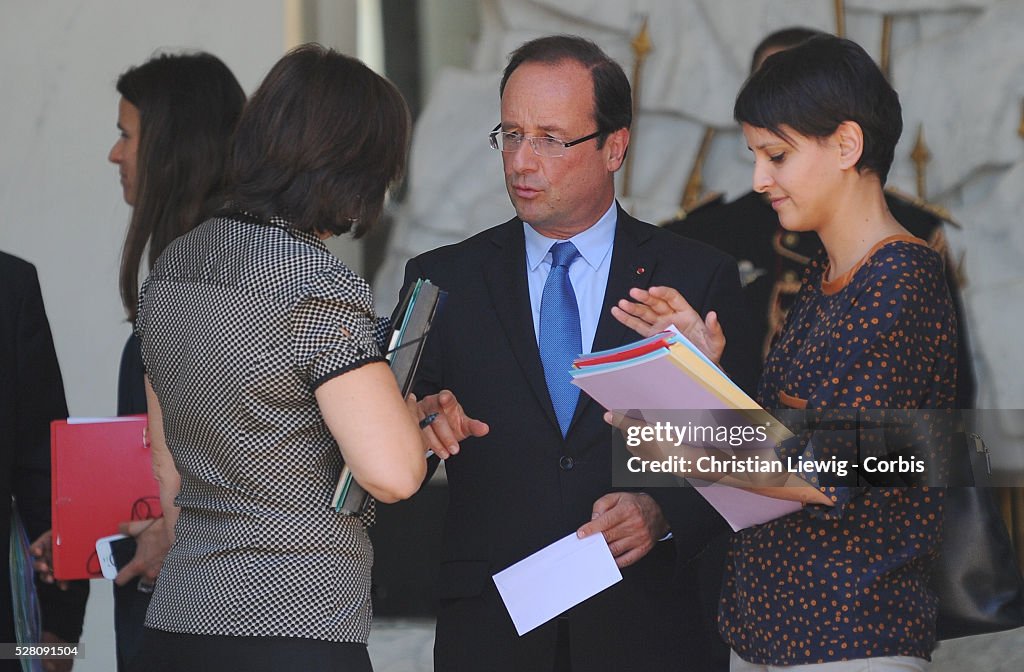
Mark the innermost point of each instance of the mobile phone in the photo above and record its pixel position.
(123, 550)
(114, 552)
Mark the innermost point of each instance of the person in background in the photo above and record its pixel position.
(841, 588)
(264, 377)
(31, 396)
(176, 117)
(773, 259)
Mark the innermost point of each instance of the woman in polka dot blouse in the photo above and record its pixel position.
(841, 587)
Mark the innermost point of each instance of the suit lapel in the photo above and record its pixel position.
(510, 297)
(632, 265)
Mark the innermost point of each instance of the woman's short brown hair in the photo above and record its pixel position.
(320, 142)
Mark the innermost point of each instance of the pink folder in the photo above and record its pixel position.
(646, 376)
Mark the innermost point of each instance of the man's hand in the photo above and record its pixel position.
(152, 543)
(41, 551)
(631, 523)
(652, 310)
(451, 425)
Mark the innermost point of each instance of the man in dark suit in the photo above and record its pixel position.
(31, 395)
(544, 469)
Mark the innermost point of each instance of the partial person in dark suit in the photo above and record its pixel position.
(31, 395)
(772, 260)
(544, 470)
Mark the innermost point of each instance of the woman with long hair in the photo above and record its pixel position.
(176, 118)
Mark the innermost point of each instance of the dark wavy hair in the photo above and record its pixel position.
(613, 97)
(786, 38)
(188, 107)
(819, 84)
(320, 143)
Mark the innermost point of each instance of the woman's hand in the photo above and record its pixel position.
(151, 546)
(653, 310)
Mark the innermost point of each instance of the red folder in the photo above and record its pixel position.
(622, 354)
(102, 475)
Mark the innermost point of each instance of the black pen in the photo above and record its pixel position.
(425, 422)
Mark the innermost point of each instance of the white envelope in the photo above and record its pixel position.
(556, 578)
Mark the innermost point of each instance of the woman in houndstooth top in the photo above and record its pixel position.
(262, 360)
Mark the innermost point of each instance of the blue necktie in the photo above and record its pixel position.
(560, 340)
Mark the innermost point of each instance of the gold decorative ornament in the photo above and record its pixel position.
(921, 156)
(931, 208)
(885, 62)
(840, 18)
(642, 46)
(693, 192)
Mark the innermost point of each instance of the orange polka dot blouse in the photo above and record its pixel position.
(825, 585)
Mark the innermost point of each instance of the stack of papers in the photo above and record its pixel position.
(657, 378)
(647, 375)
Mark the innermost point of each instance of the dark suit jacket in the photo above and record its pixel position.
(523, 486)
(31, 395)
(130, 605)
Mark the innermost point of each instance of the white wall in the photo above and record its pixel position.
(60, 201)
(448, 33)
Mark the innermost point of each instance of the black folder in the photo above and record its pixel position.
(420, 304)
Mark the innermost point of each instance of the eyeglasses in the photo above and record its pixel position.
(542, 145)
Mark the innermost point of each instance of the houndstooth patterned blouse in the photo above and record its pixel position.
(240, 321)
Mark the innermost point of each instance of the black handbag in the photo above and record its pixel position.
(976, 578)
